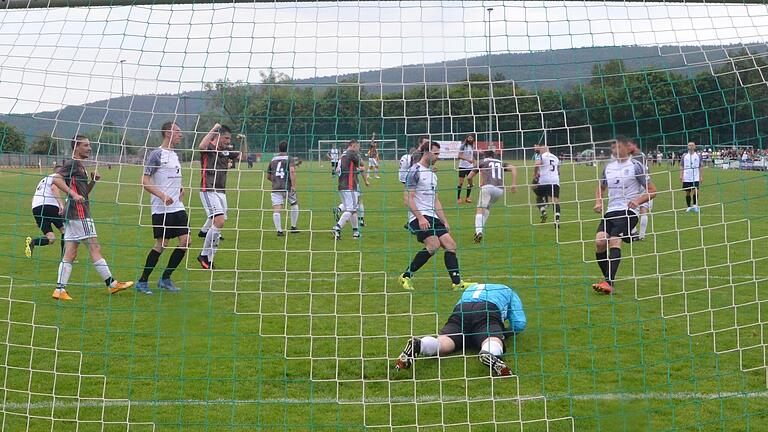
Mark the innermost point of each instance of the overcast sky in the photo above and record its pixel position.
(55, 57)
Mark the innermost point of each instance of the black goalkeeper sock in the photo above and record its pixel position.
(602, 261)
(419, 260)
(688, 200)
(149, 265)
(174, 261)
(458, 192)
(613, 263)
(469, 191)
(452, 265)
(41, 241)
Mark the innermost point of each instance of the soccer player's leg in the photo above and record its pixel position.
(484, 331)
(180, 231)
(601, 255)
(46, 217)
(470, 185)
(294, 202)
(695, 196)
(688, 187)
(450, 258)
(555, 191)
(278, 198)
(483, 202)
(541, 201)
(491, 350)
(65, 269)
(462, 174)
(215, 211)
(449, 339)
(94, 248)
(431, 245)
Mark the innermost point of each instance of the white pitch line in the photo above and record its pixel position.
(16, 406)
(342, 278)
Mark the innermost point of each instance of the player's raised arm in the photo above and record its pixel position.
(243, 148)
(512, 170)
(206, 141)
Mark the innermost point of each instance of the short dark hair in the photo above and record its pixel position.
(223, 130)
(166, 127)
(434, 144)
(489, 153)
(283, 146)
(352, 141)
(623, 138)
(76, 139)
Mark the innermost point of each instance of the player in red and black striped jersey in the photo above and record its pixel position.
(73, 179)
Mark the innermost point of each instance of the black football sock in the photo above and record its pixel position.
(41, 241)
(602, 261)
(108, 281)
(458, 192)
(541, 203)
(557, 211)
(174, 261)
(469, 191)
(613, 263)
(688, 200)
(452, 265)
(695, 198)
(419, 260)
(63, 244)
(149, 265)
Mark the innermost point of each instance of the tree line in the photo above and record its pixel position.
(722, 105)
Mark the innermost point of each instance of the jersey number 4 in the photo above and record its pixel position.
(279, 171)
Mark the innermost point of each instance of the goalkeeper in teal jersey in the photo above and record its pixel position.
(477, 322)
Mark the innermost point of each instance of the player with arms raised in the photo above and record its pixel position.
(47, 209)
(628, 186)
(546, 176)
(491, 172)
(690, 176)
(162, 179)
(73, 180)
(427, 220)
(282, 173)
(215, 160)
(466, 164)
(477, 322)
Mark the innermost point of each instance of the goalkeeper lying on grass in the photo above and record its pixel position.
(477, 321)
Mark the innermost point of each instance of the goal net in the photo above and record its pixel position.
(271, 319)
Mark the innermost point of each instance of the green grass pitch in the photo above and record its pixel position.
(298, 333)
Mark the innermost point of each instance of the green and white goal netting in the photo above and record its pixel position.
(300, 332)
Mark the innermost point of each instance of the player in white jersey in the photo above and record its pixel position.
(47, 209)
(427, 221)
(405, 165)
(690, 176)
(162, 179)
(466, 164)
(546, 176)
(333, 156)
(491, 171)
(639, 234)
(628, 186)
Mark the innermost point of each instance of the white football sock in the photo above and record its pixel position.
(65, 269)
(206, 225)
(486, 213)
(343, 219)
(353, 219)
(360, 210)
(429, 346)
(215, 234)
(103, 269)
(294, 215)
(277, 221)
(643, 224)
(478, 223)
(493, 347)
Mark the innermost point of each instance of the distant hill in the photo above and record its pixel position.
(546, 69)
